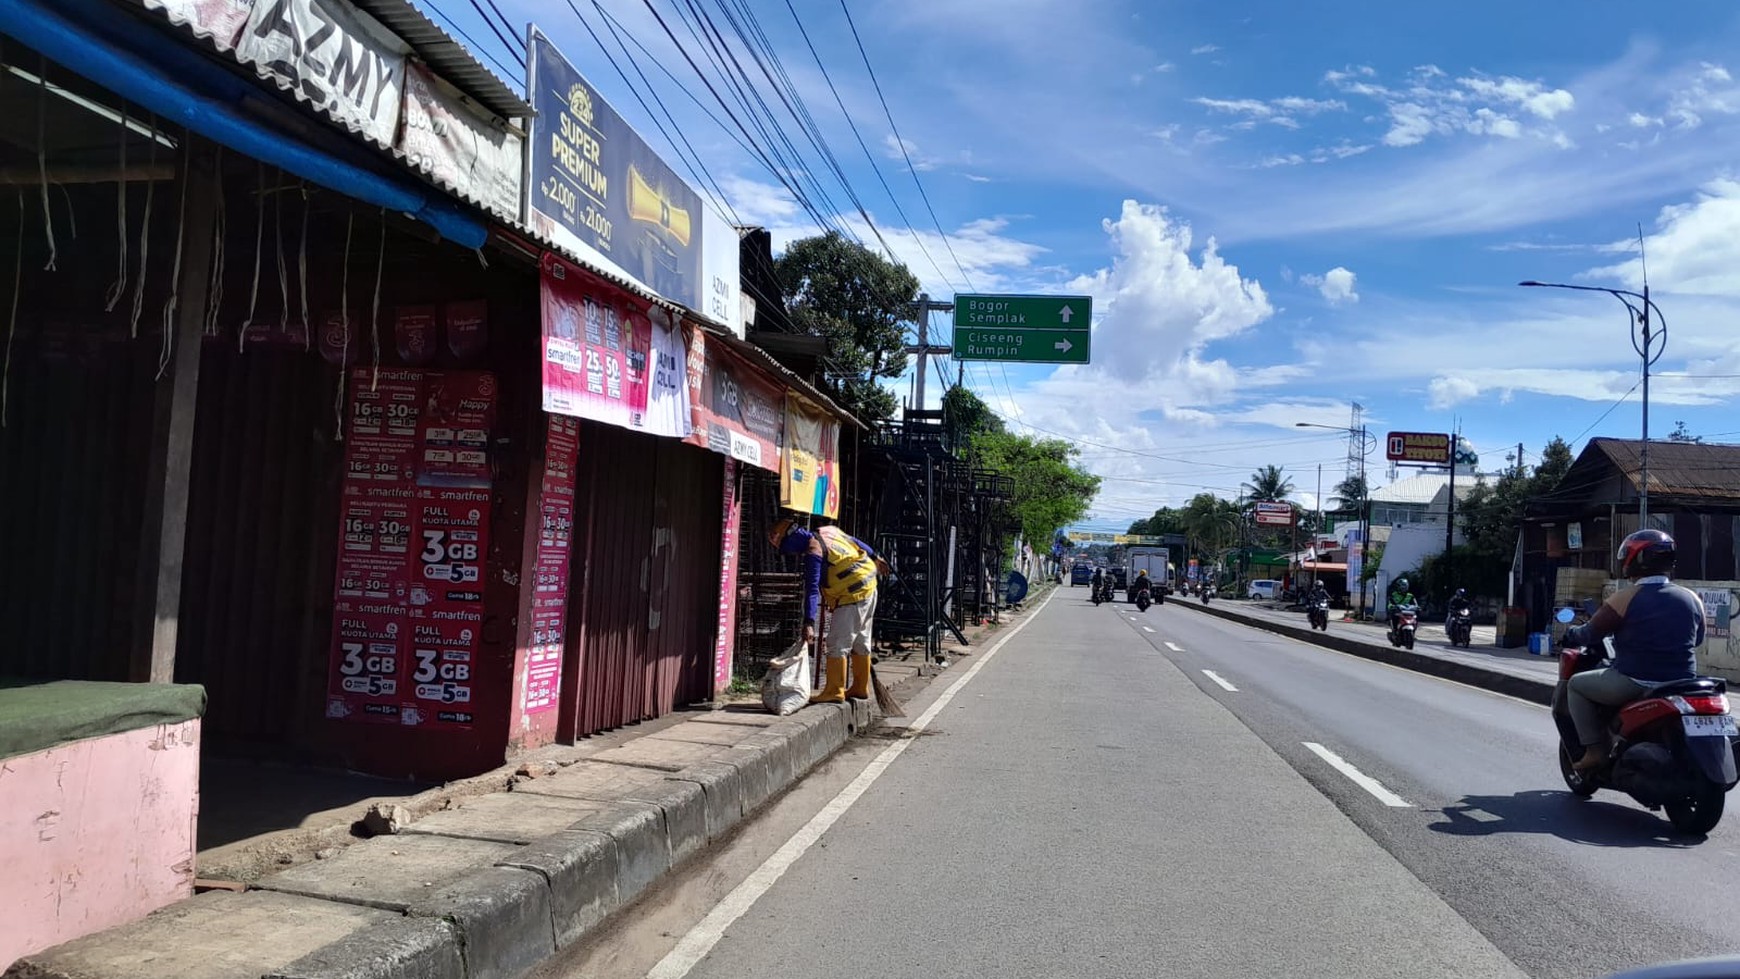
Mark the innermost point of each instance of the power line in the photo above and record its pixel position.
(479, 48)
(512, 51)
(1604, 414)
(899, 140)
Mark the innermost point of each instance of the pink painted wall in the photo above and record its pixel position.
(96, 833)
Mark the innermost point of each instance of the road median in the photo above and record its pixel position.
(1420, 660)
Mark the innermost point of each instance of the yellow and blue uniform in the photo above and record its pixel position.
(841, 570)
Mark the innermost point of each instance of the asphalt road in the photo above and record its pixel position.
(1561, 886)
(1079, 807)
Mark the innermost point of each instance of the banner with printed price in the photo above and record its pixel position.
(596, 347)
(413, 542)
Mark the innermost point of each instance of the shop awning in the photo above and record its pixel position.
(177, 83)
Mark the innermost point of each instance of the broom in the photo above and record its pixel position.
(885, 697)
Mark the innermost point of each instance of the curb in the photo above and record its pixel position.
(494, 904)
(1497, 681)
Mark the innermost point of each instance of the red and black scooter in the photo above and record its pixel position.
(1672, 750)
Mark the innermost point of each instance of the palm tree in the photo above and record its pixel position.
(1210, 522)
(1268, 483)
(1350, 493)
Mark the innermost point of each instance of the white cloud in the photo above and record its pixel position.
(1254, 107)
(1335, 285)
(1277, 112)
(1695, 248)
(897, 148)
(1476, 105)
(1532, 96)
(1205, 49)
(1641, 121)
(1164, 67)
(977, 178)
(1409, 124)
(1289, 160)
(1294, 103)
(1446, 392)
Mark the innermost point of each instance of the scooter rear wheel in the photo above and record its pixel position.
(1580, 785)
(1701, 812)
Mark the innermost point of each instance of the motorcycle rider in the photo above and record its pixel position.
(1459, 602)
(1097, 583)
(1142, 584)
(1656, 626)
(1319, 594)
(1400, 597)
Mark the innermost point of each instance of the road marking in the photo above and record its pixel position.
(1216, 677)
(1358, 777)
(700, 939)
(1148, 628)
(1175, 647)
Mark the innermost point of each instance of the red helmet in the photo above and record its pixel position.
(1646, 552)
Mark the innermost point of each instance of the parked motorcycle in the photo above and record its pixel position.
(1672, 750)
(1460, 627)
(1319, 615)
(1404, 625)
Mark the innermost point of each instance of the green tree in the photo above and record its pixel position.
(1681, 434)
(1268, 483)
(1051, 490)
(1165, 520)
(1556, 461)
(1211, 524)
(858, 300)
(1350, 494)
(965, 415)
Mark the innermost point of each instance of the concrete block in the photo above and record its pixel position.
(643, 848)
(803, 738)
(683, 805)
(722, 791)
(590, 780)
(403, 948)
(667, 756)
(198, 939)
(863, 715)
(777, 754)
(503, 917)
(521, 816)
(580, 869)
(757, 776)
(695, 732)
(746, 717)
(389, 872)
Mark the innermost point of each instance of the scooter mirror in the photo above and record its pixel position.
(1565, 615)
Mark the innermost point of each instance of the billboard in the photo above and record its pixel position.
(598, 189)
(1428, 448)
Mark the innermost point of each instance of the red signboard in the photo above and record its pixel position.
(738, 411)
(550, 563)
(595, 348)
(1430, 448)
(1275, 514)
(414, 538)
(725, 642)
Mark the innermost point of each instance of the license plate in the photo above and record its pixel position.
(1710, 726)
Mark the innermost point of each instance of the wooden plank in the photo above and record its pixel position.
(163, 536)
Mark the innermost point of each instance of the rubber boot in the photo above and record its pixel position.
(833, 682)
(860, 678)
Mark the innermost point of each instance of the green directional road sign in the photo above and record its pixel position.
(1025, 312)
(1024, 329)
(1024, 346)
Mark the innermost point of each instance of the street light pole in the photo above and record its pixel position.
(1644, 334)
(1365, 502)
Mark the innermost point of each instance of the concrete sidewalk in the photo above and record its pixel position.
(493, 886)
(1508, 671)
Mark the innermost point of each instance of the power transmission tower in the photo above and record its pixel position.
(924, 348)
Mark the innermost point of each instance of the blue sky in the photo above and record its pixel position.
(1278, 207)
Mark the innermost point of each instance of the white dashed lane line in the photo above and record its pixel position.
(1358, 777)
(1217, 678)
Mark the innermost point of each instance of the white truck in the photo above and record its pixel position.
(1157, 562)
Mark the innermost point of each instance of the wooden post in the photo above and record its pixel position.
(163, 534)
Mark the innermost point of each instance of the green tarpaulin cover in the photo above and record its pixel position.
(37, 714)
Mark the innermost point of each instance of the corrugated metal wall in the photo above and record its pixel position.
(645, 586)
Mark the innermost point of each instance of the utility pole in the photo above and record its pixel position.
(1450, 507)
(924, 348)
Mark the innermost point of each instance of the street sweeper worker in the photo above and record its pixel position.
(841, 570)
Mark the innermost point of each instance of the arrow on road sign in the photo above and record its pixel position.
(1064, 314)
(1063, 345)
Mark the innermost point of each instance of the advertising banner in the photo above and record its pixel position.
(725, 643)
(667, 396)
(595, 349)
(1275, 514)
(737, 411)
(413, 539)
(809, 470)
(599, 190)
(459, 145)
(550, 562)
(333, 56)
(220, 20)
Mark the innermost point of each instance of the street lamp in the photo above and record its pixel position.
(1643, 339)
(1365, 507)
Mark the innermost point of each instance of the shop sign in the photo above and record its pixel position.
(737, 411)
(459, 146)
(413, 544)
(597, 189)
(331, 55)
